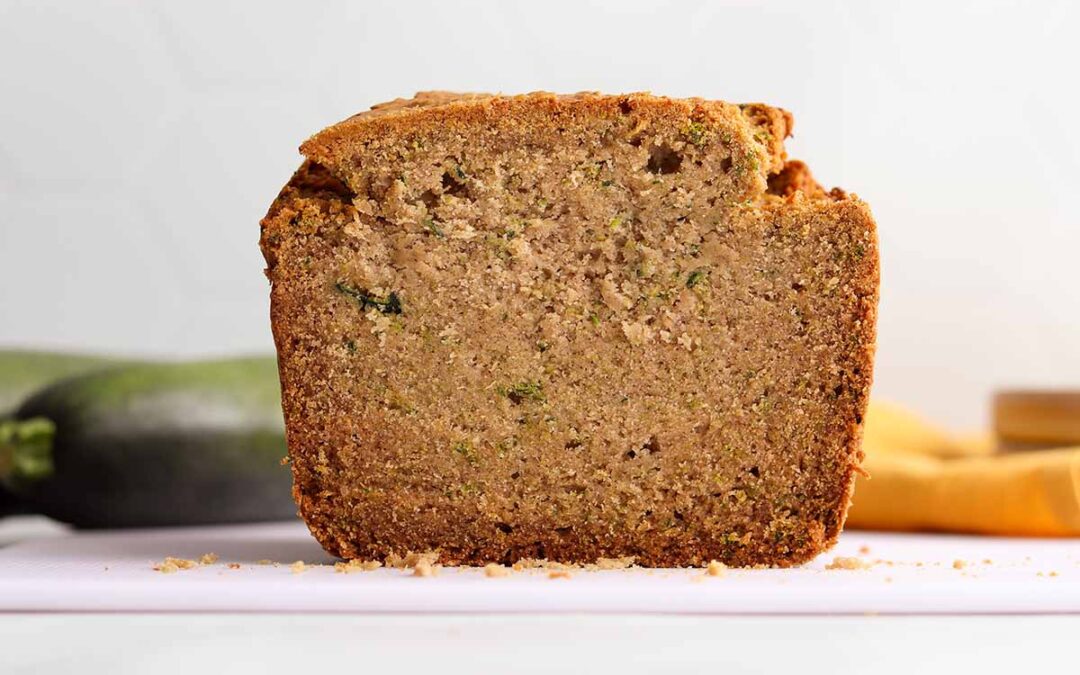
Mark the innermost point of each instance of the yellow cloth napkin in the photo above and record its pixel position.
(923, 478)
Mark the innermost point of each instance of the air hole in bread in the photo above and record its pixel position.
(664, 160)
(429, 199)
(454, 183)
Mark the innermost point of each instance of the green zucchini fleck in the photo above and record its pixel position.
(696, 277)
(697, 133)
(466, 450)
(434, 228)
(391, 304)
(528, 390)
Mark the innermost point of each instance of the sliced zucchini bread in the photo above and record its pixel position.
(570, 327)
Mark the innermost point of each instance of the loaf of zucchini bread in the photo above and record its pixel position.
(570, 327)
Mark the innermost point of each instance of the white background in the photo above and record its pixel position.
(140, 143)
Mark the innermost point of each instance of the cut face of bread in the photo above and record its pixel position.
(570, 327)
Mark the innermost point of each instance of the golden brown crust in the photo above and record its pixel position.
(344, 141)
(707, 406)
(796, 178)
(772, 126)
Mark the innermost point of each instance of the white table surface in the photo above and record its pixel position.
(905, 574)
(555, 641)
(161, 644)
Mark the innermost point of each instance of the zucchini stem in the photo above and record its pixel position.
(26, 451)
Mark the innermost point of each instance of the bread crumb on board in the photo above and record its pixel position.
(166, 567)
(424, 568)
(847, 563)
(350, 566)
(171, 565)
(958, 564)
(411, 559)
(605, 564)
(495, 570)
(559, 574)
(715, 568)
(541, 564)
(297, 567)
(233, 566)
(864, 550)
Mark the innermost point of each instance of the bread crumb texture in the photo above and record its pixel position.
(572, 328)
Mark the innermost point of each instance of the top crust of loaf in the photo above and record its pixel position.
(763, 127)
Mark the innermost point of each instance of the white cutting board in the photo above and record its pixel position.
(113, 571)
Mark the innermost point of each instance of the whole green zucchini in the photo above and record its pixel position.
(152, 444)
(24, 371)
